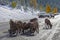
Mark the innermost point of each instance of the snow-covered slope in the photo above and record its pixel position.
(6, 14)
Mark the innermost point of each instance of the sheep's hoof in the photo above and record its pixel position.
(32, 34)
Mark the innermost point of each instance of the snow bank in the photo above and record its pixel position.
(55, 20)
(6, 14)
(57, 17)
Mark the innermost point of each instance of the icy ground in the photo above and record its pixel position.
(50, 34)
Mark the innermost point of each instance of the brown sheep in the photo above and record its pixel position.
(47, 21)
(18, 26)
(34, 25)
(13, 27)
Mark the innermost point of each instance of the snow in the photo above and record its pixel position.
(7, 13)
(57, 17)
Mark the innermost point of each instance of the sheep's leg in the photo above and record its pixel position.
(46, 25)
(50, 26)
(10, 32)
(37, 30)
(23, 31)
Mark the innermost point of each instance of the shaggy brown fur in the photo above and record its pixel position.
(47, 21)
(13, 27)
(19, 26)
(34, 25)
(25, 26)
